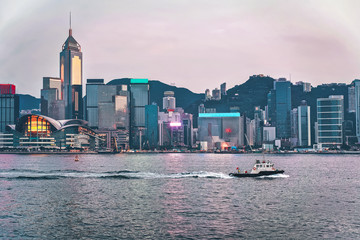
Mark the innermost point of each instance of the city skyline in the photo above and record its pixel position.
(189, 44)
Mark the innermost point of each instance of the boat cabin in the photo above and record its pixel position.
(262, 166)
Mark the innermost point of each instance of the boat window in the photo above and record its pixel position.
(267, 165)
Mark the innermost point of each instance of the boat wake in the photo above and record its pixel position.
(281, 175)
(26, 174)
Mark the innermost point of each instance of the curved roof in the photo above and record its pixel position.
(73, 121)
(54, 123)
(10, 127)
(76, 125)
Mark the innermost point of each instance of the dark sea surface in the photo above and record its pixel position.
(178, 196)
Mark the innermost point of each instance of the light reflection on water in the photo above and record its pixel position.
(177, 196)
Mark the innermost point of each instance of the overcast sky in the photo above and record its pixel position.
(196, 44)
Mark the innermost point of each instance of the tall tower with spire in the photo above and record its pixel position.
(71, 77)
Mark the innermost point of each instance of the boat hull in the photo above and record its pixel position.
(262, 173)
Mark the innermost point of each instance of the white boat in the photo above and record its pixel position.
(261, 168)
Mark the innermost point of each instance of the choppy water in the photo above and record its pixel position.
(178, 196)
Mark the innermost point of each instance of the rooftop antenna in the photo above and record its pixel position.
(70, 30)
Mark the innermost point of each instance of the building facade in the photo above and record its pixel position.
(169, 101)
(352, 98)
(330, 117)
(92, 100)
(304, 128)
(151, 125)
(71, 77)
(140, 97)
(9, 106)
(216, 94)
(271, 108)
(283, 107)
(294, 120)
(223, 89)
(221, 130)
(357, 108)
(51, 103)
(42, 132)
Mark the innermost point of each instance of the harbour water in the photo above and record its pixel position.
(178, 196)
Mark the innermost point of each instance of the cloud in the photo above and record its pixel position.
(196, 44)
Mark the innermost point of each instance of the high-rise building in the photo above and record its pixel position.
(258, 122)
(92, 100)
(223, 89)
(9, 106)
(201, 108)
(294, 122)
(304, 124)
(207, 95)
(216, 94)
(187, 124)
(251, 132)
(51, 103)
(351, 97)
(151, 125)
(221, 129)
(169, 101)
(357, 108)
(271, 107)
(283, 106)
(269, 134)
(175, 128)
(306, 86)
(113, 107)
(140, 97)
(330, 117)
(108, 112)
(71, 77)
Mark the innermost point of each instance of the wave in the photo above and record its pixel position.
(28, 174)
(280, 175)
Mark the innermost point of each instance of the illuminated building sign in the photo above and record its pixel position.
(7, 89)
(175, 124)
(209, 115)
(135, 80)
(228, 130)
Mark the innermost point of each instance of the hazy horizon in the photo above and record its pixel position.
(194, 44)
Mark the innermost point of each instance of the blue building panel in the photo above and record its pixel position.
(218, 115)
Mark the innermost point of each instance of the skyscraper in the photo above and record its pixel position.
(71, 77)
(223, 89)
(294, 122)
(304, 124)
(258, 121)
(351, 97)
(9, 106)
(207, 95)
(330, 117)
(51, 105)
(151, 125)
(92, 101)
(271, 107)
(216, 94)
(357, 107)
(140, 97)
(283, 107)
(169, 101)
